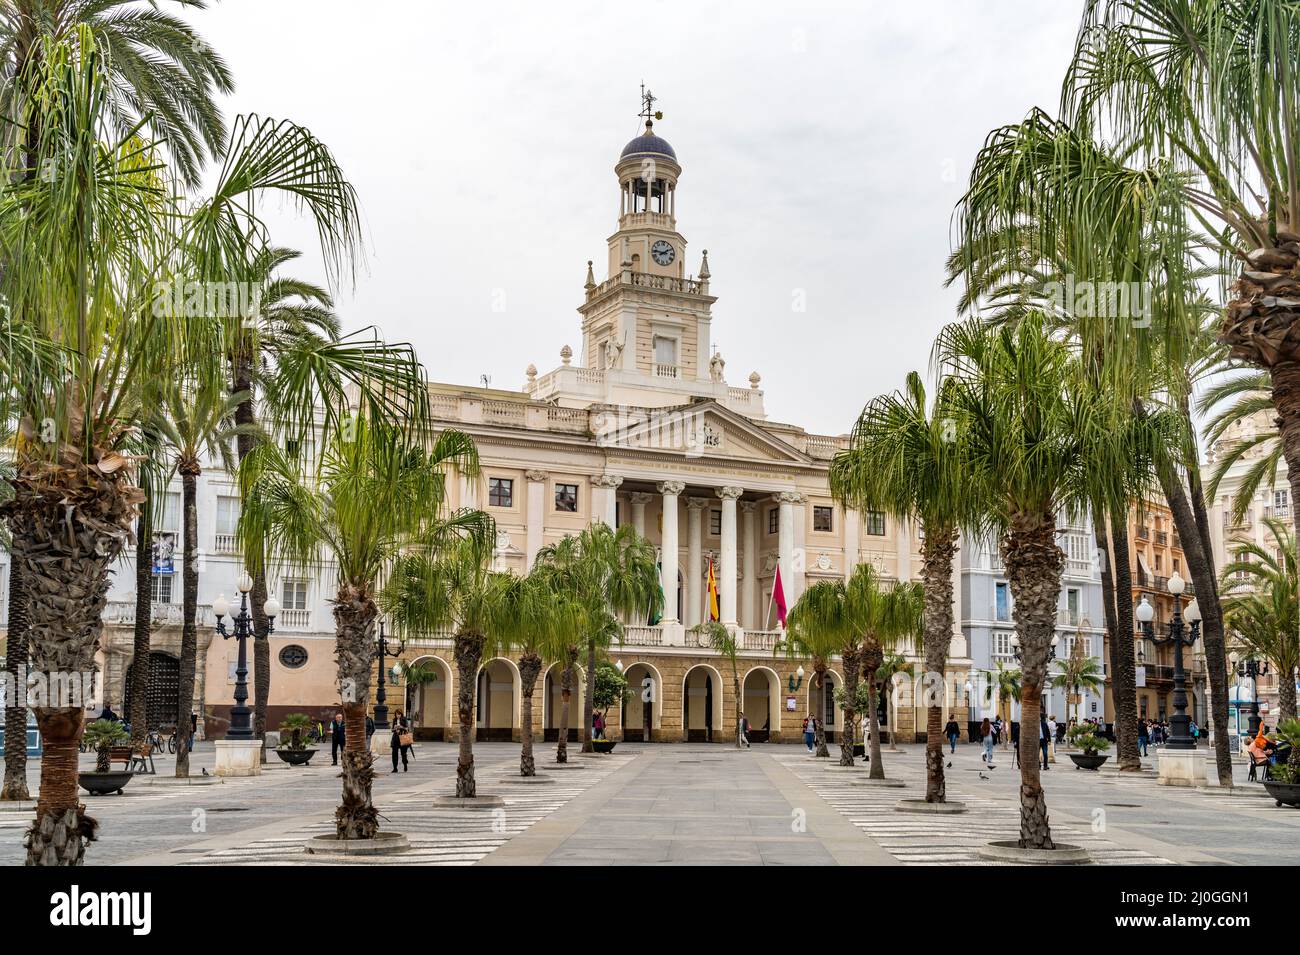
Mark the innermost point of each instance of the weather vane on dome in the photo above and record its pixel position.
(648, 106)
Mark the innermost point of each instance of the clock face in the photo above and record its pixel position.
(663, 252)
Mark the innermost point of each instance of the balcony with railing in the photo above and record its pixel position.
(1280, 511)
(122, 613)
(664, 370)
(225, 544)
(1162, 537)
(297, 620)
(643, 636)
(765, 640)
(1143, 532)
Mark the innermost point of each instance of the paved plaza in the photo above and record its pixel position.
(674, 804)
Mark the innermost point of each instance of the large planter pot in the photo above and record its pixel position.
(101, 784)
(1088, 760)
(1285, 793)
(604, 745)
(296, 757)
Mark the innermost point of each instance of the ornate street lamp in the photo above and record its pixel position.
(381, 697)
(241, 726)
(1179, 724)
(789, 681)
(1253, 669)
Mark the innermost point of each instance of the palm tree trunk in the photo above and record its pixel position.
(852, 659)
(937, 554)
(566, 700)
(73, 522)
(1101, 535)
(354, 621)
(189, 614)
(246, 416)
(740, 710)
(468, 655)
(15, 784)
(589, 704)
(1034, 563)
(140, 662)
(1123, 665)
(1285, 699)
(530, 665)
(1199, 553)
(873, 723)
(819, 668)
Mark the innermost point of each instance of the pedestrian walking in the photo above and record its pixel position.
(809, 731)
(1144, 737)
(401, 741)
(337, 737)
(986, 737)
(1044, 738)
(744, 731)
(952, 732)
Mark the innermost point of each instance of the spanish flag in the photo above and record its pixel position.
(713, 594)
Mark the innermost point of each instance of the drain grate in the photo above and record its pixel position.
(1123, 805)
(228, 809)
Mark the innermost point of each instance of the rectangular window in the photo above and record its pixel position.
(773, 520)
(501, 492)
(293, 594)
(1001, 601)
(715, 523)
(171, 513)
(227, 514)
(875, 521)
(823, 519)
(1072, 605)
(566, 498)
(161, 588)
(1002, 643)
(665, 351)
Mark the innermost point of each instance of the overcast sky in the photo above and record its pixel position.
(823, 147)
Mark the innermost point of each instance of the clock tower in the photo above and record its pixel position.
(647, 325)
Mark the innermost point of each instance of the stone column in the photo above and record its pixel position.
(606, 510)
(748, 590)
(536, 516)
(903, 548)
(851, 548)
(694, 559)
(800, 548)
(639, 500)
(730, 578)
(670, 558)
(785, 543)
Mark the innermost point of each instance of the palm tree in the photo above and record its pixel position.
(1049, 211)
(293, 352)
(197, 419)
(1033, 438)
(895, 664)
(1211, 91)
(908, 458)
(15, 749)
(1078, 673)
(816, 627)
(607, 572)
(454, 586)
(161, 73)
(1260, 588)
(884, 614)
(1005, 683)
(545, 622)
(376, 494)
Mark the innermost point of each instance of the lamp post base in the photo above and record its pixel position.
(239, 757)
(1180, 767)
(381, 741)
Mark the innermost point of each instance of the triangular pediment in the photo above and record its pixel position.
(702, 429)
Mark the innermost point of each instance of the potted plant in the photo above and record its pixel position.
(611, 688)
(293, 748)
(1083, 736)
(100, 736)
(1283, 781)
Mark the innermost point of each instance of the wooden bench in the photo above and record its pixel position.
(130, 761)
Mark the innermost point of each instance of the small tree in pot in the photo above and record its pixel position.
(100, 736)
(1091, 746)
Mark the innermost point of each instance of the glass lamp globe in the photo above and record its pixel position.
(1145, 612)
(1056, 638)
(221, 606)
(618, 665)
(1193, 612)
(271, 608)
(799, 672)
(1176, 584)
(245, 583)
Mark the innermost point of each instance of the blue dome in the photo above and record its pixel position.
(648, 144)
